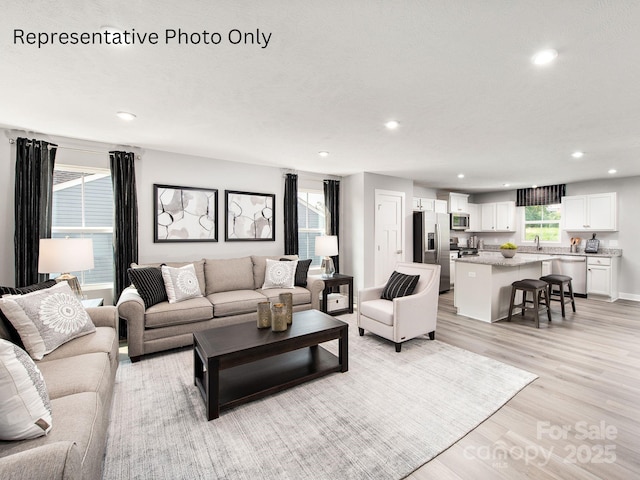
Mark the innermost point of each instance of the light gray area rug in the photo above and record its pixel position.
(384, 418)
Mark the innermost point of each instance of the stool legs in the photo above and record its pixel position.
(513, 297)
(573, 301)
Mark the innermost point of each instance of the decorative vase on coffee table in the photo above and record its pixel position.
(287, 299)
(278, 317)
(264, 314)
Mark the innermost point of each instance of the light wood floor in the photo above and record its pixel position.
(589, 382)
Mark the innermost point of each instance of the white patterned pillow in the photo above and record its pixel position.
(47, 318)
(25, 411)
(181, 283)
(280, 274)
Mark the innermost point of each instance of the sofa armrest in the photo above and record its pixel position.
(55, 461)
(315, 285)
(104, 316)
(131, 308)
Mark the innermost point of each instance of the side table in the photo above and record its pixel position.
(335, 281)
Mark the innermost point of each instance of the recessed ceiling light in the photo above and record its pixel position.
(544, 57)
(577, 154)
(392, 124)
(534, 186)
(461, 175)
(506, 184)
(323, 154)
(612, 171)
(126, 116)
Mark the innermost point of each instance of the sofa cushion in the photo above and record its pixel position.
(25, 410)
(188, 311)
(90, 372)
(180, 283)
(225, 275)
(379, 309)
(260, 264)
(235, 302)
(301, 295)
(46, 319)
(103, 340)
(280, 274)
(149, 283)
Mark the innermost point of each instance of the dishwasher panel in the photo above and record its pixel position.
(574, 266)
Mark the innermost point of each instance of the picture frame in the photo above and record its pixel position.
(185, 214)
(249, 216)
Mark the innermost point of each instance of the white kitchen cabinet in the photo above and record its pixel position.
(602, 278)
(452, 266)
(458, 202)
(597, 212)
(440, 206)
(424, 204)
(475, 220)
(497, 217)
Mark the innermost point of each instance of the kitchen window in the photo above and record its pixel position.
(83, 208)
(542, 220)
(311, 223)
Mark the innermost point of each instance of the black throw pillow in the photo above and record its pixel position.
(302, 270)
(399, 285)
(149, 283)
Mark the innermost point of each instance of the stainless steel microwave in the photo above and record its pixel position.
(459, 221)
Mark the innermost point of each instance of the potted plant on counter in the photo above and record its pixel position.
(508, 249)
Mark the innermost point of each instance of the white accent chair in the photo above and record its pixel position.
(403, 318)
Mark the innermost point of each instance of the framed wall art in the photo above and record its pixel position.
(185, 214)
(249, 216)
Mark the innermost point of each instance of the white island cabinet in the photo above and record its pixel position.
(483, 284)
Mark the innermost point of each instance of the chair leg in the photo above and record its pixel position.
(513, 297)
(573, 301)
(548, 302)
(398, 347)
(361, 331)
(432, 335)
(536, 307)
(524, 302)
(562, 299)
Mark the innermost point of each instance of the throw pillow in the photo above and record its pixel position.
(181, 283)
(302, 271)
(6, 328)
(399, 285)
(280, 274)
(46, 319)
(25, 410)
(149, 283)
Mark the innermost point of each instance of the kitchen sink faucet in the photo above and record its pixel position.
(537, 242)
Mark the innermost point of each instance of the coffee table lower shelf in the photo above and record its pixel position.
(250, 381)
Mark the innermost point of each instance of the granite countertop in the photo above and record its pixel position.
(500, 261)
(602, 252)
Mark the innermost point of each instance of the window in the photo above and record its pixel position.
(83, 208)
(542, 220)
(310, 223)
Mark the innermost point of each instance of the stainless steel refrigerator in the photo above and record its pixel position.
(431, 243)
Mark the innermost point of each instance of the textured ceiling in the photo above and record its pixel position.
(456, 75)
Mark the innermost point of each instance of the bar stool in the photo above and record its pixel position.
(561, 281)
(538, 288)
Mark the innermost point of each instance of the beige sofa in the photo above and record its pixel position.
(232, 289)
(80, 377)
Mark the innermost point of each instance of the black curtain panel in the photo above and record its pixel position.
(547, 195)
(125, 227)
(291, 214)
(332, 218)
(35, 160)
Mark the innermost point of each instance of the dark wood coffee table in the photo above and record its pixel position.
(239, 363)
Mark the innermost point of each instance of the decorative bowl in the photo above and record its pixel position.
(507, 253)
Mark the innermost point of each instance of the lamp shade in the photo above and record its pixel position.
(58, 255)
(327, 246)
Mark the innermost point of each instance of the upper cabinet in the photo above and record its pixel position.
(590, 212)
(429, 205)
(458, 203)
(475, 220)
(440, 206)
(497, 217)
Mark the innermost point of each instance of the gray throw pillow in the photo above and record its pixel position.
(302, 271)
(181, 283)
(279, 274)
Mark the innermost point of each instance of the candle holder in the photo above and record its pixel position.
(278, 317)
(287, 299)
(264, 314)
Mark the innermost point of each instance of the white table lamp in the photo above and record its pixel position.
(66, 255)
(327, 246)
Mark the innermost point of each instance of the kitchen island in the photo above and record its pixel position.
(483, 284)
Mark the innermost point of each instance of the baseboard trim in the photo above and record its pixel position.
(629, 296)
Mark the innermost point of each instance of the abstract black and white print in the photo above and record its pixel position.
(249, 216)
(185, 214)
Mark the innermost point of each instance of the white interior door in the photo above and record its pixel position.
(389, 233)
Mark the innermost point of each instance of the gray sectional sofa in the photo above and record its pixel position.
(231, 288)
(79, 377)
